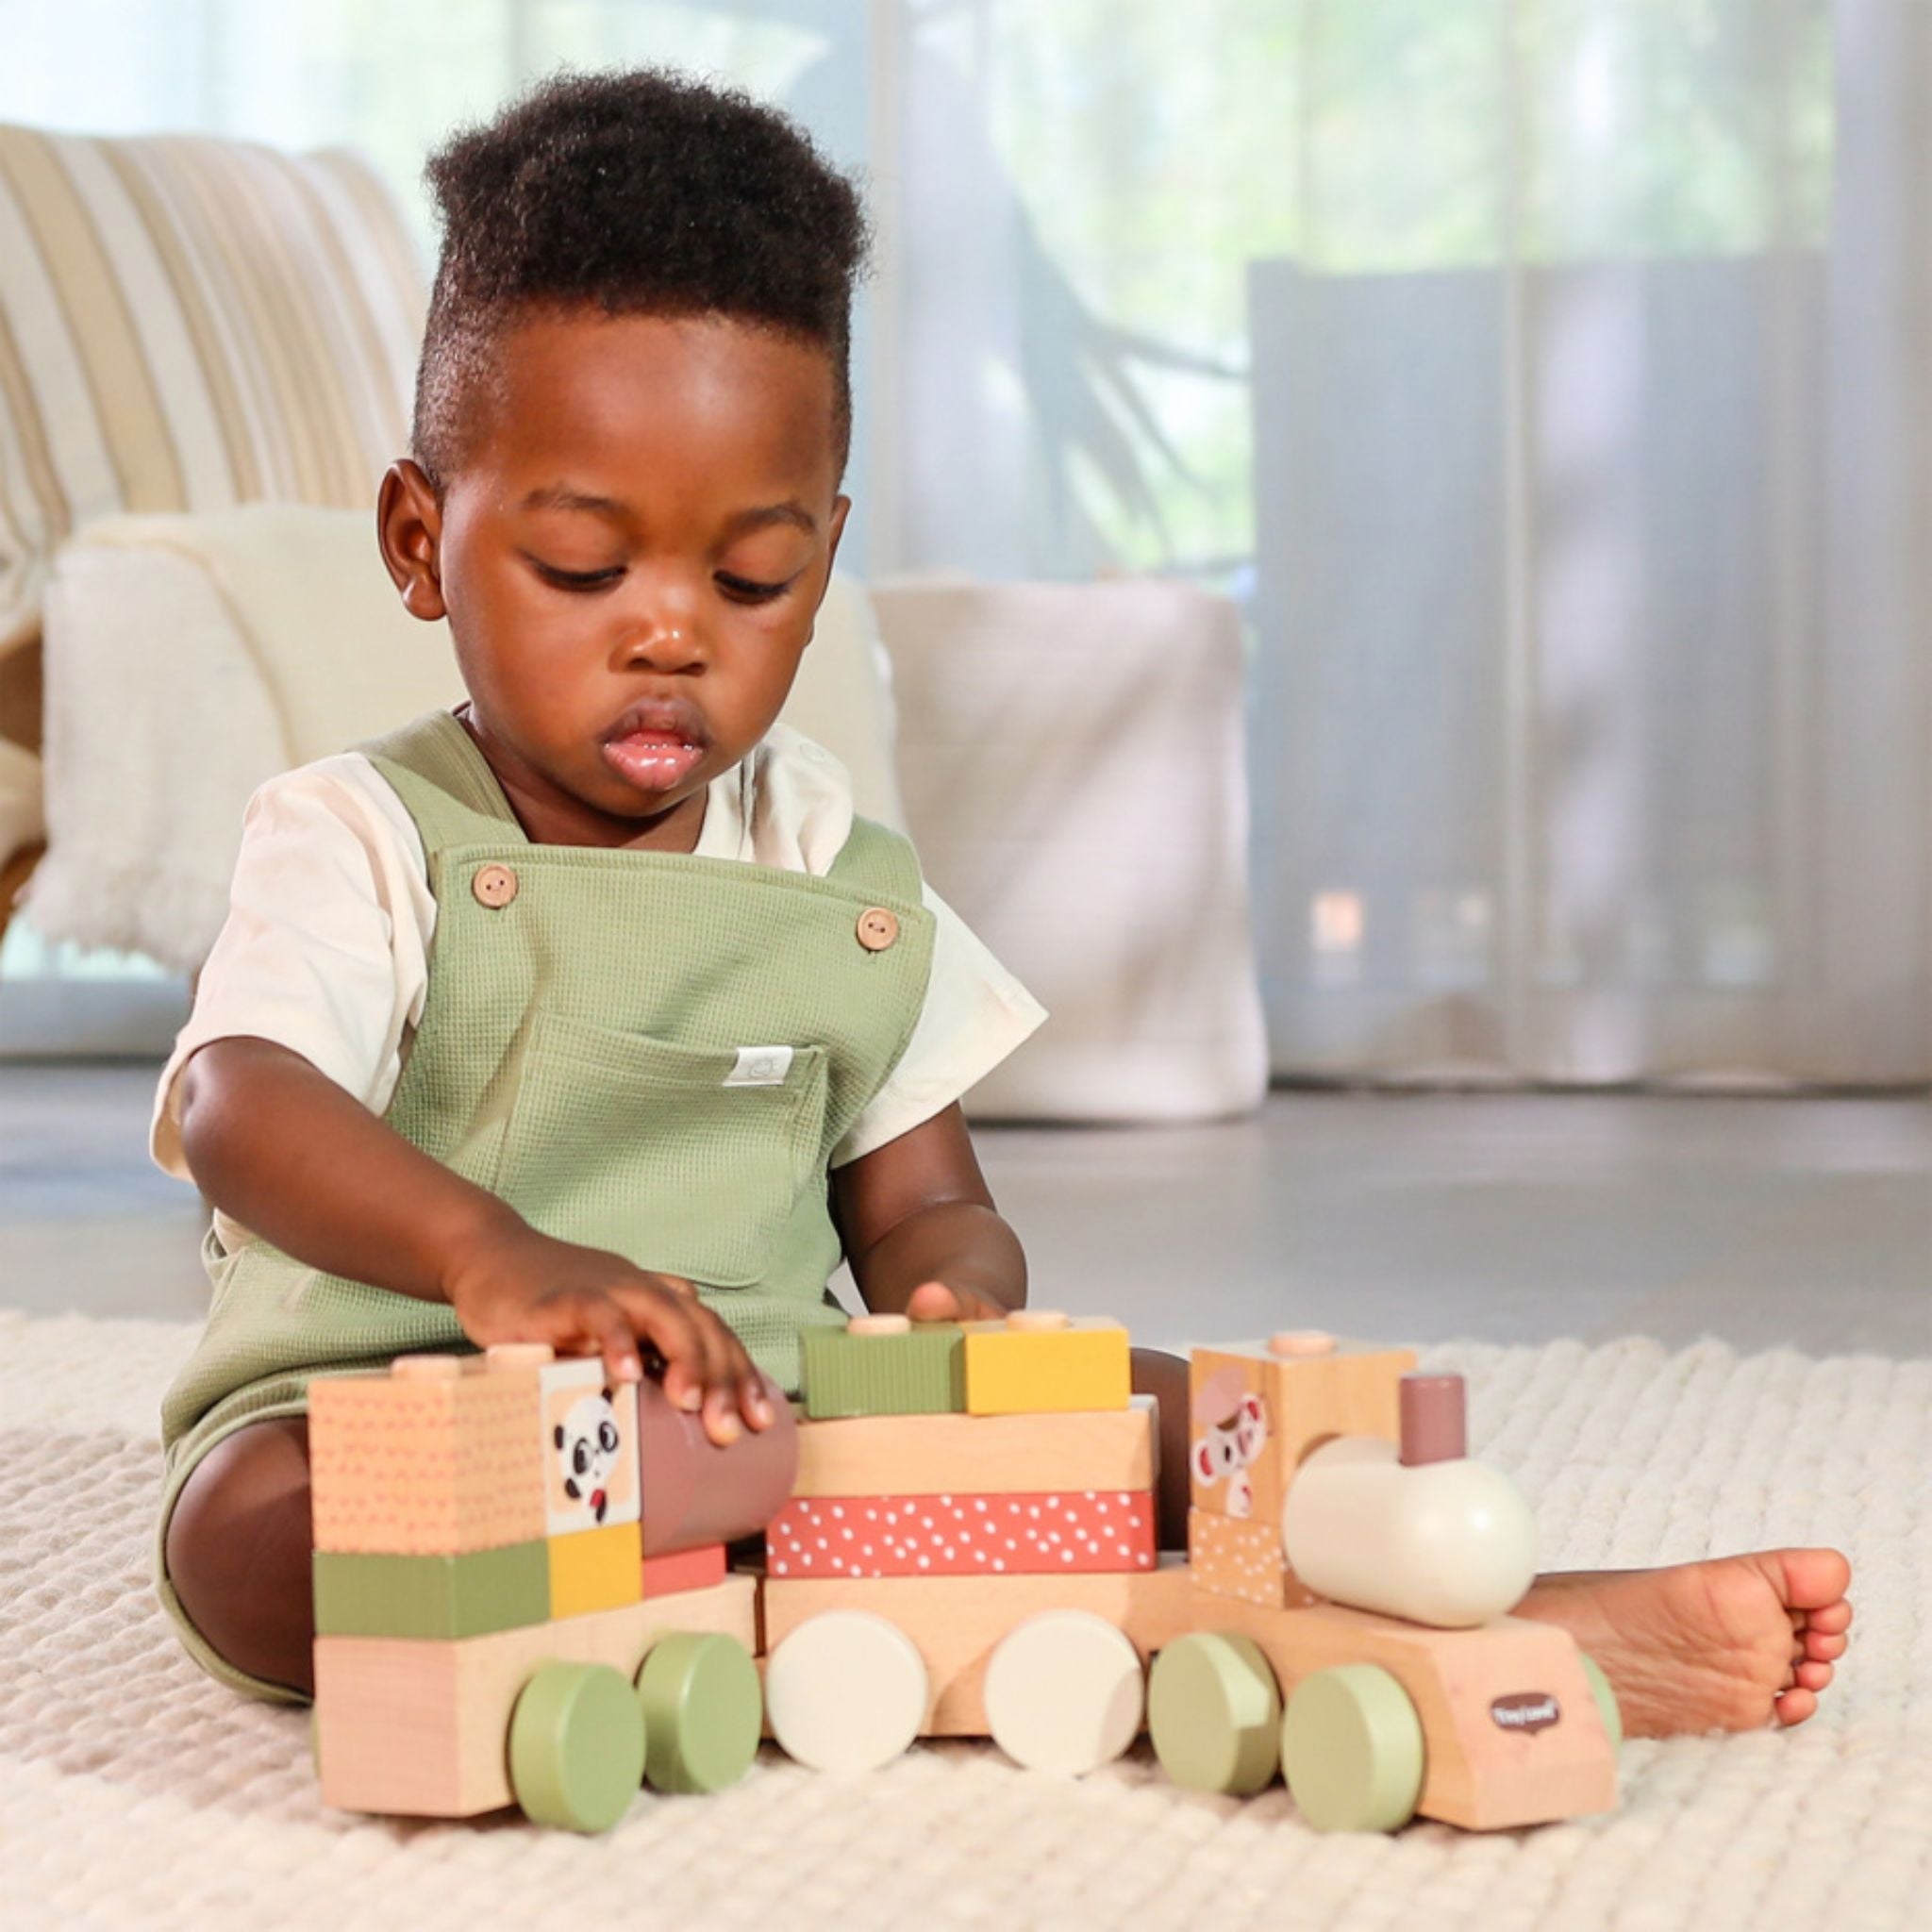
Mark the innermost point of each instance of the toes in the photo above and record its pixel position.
(1812, 1579)
(1829, 1619)
(1822, 1648)
(1812, 1676)
(1793, 1707)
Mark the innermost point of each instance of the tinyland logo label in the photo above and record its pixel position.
(1526, 1711)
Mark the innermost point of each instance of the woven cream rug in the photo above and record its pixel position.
(134, 1792)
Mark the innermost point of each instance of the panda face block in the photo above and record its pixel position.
(589, 1447)
(586, 1448)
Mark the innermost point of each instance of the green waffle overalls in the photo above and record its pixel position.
(578, 1055)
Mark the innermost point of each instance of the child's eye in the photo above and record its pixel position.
(576, 579)
(749, 592)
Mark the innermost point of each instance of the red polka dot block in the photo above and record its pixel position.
(1064, 1532)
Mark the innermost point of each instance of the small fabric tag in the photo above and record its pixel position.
(760, 1066)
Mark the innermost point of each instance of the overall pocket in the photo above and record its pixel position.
(619, 1141)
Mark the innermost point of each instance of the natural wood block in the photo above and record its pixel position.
(1484, 1769)
(688, 1569)
(362, 1594)
(1063, 1533)
(418, 1728)
(595, 1569)
(1237, 1556)
(404, 1466)
(914, 1370)
(1256, 1414)
(931, 1454)
(1015, 1370)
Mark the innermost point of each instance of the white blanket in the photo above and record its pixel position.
(188, 658)
(134, 1792)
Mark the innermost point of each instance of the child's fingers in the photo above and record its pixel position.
(746, 1394)
(936, 1301)
(592, 1323)
(933, 1301)
(674, 1329)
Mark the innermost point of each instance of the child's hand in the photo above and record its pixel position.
(937, 1301)
(513, 1284)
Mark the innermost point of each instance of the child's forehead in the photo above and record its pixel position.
(575, 387)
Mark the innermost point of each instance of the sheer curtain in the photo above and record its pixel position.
(1561, 367)
(1547, 379)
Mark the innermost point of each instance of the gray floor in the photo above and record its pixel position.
(1505, 1218)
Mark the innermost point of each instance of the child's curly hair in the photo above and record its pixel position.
(646, 193)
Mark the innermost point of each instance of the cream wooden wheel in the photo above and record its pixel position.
(845, 1691)
(1064, 1692)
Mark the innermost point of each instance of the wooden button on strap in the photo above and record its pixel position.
(495, 886)
(877, 928)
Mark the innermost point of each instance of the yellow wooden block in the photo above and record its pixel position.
(595, 1569)
(1039, 1363)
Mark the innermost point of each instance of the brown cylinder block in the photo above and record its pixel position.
(696, 1493)
(1435, 1423)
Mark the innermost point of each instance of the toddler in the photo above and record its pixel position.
(589, 1014)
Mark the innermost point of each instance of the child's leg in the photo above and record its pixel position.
(1727, 1644)
(239, 1551)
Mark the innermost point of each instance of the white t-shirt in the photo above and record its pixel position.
(326, 950)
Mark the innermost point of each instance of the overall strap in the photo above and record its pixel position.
(446, 782)
(879, 862)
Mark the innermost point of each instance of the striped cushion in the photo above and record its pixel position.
(187, 324)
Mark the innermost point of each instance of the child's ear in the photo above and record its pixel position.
(409, 528)
(841, 508)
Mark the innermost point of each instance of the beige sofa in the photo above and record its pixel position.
(192, 536)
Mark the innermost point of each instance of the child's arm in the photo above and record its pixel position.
(920, 1230)
(297, 1160)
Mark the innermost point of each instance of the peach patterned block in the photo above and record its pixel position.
(1064, 1532)
(1242, 1557)
(415, 1467)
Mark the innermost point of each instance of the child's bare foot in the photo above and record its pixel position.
(1724, 1645)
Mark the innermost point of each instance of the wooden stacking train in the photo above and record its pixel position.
(523, 1589)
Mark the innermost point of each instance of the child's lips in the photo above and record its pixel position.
(652, 760)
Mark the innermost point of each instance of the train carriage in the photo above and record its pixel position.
(523, 1594)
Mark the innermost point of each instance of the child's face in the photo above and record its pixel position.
(631, 554)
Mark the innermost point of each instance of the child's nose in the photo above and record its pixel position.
(665, 640)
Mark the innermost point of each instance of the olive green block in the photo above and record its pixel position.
(921, 1372)
(1607, 1706)
(359, 1594)
(1214, 1713)
(703, 1707)
(1352, 1750)
(577, 1746)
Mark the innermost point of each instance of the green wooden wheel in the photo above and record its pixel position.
(577, 1746)
(1352, 1750)
(1214, 1713)
(1606, 1699)
(703, 1709)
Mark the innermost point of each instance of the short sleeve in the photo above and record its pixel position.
(975, 1014)
(326, 947)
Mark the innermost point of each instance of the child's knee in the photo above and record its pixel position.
(239, 1550)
